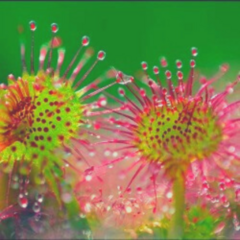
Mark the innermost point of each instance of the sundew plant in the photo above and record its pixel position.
(174, 133)
(154, 157)
(44, 125)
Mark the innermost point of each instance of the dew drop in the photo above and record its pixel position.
(85, 41)
(102, 101)
(115, 154)
(23, 201)
(54, 27)
(180, 75)
(128, 209)
(230, 90)
(194, 52)
(168, 74)
(36, 208)
(179, 64)
(192, 63)
(91, 153)
(39, 198)
(155, 70)
(144, 65)
(88, 178)
(131, 79)
(163, 62)
(3, 86)
(229, 182)
(101, 55)
(88, 207)
(10, 77)
(33, 25)
(121, 92)
(107, 153)
(237, 228)
(169, 195)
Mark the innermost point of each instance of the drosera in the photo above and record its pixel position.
(174, 130)
(44, 116)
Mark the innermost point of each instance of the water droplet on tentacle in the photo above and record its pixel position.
(101, 55)
(22, 201)
(54, 27)
(36, 207)
(33, 25)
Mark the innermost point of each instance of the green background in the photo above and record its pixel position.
(129, 32)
